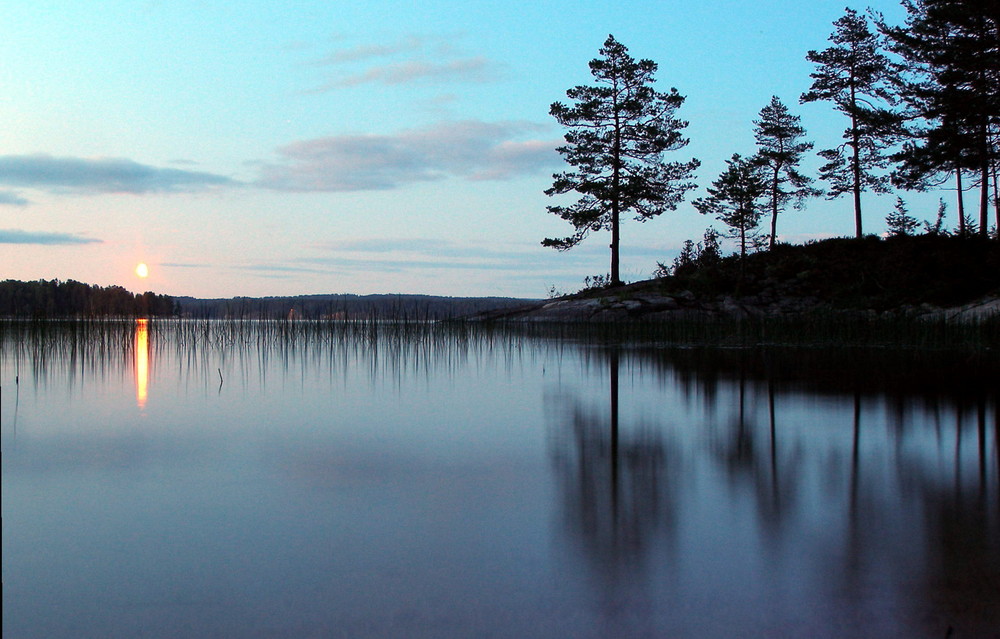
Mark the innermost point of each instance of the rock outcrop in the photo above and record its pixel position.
(631, 303)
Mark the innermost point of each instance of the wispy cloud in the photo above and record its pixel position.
(423, 254)
(430, 249)
(10, 198)
(435, 259)
(470, 149)
(407, 60)
(17, 236)
(101, 175)
(280, 268)
(462, 70)
(383, 245)
(364, 52)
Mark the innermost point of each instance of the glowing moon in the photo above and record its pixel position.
(142, 270)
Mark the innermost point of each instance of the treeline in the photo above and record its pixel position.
(920, 103)
(343, 307)
(55, 298)
(62, 299)
(921, 107)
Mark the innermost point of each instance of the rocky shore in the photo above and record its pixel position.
(932, 277)
(634, 303)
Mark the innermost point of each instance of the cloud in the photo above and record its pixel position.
(17, 236)
(428, 259)
(382, 245)
(429, 249)
(403, 255)
(101, 175)
(509, 159)
(369, 51)
(12, 199)
(470, 149)
(407, 60)
(387, 254)
(280, 268)
(463, 70)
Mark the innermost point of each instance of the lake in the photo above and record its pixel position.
(254, 479)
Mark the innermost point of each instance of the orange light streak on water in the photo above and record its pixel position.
(141, 361)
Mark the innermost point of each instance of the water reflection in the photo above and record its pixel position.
(614, 492)
(430, 480)
(141, 361)
(749, 455)
(615, 498)
(881, 501)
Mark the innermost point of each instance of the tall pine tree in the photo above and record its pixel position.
(855, 76)
(952, 89)
(779, 151)
(619, 131)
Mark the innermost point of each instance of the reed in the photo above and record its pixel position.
(819, 330)
(91, 341)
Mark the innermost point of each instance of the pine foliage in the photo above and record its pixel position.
(619, 132)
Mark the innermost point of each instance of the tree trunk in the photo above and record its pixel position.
(856, 169)
(961, 200)
(996, 194)
(616, 195)
(615, 269)
(984, 203)
(855, 158)
(774, 207)
(984, 178)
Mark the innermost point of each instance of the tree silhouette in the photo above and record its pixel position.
(735, 199)
(855, 76)
(952, 90)
(900, 222)
(55, 298)
(618, 133)
(779, 151)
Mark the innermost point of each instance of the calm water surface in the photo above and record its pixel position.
(263, 480)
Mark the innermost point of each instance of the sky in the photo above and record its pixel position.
(284, 148)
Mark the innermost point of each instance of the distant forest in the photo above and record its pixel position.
(395, 307)
(70, 299)
(55, 298)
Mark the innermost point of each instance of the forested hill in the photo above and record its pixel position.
(68, 299)
(345, 306)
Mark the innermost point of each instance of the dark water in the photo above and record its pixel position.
(266, 481)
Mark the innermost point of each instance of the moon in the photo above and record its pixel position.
(142, 270)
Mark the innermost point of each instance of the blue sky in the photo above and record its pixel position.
(279, 148)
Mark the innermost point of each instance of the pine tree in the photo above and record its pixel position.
(618, 134)
(900, 222)
(779, 151)
(855, 76)
(938, 227)
(685, 262)
(735, 199)
(952, 88)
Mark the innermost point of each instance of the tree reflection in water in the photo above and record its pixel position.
(702, 492)
(616, 492)
(885, 488)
